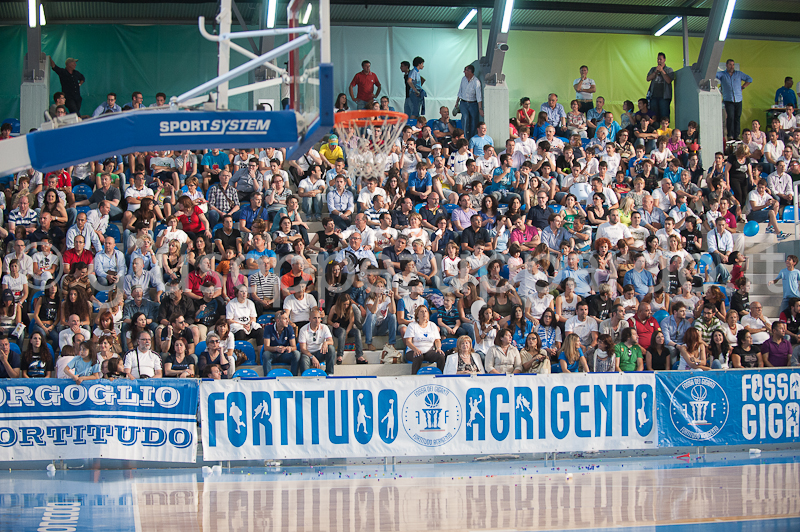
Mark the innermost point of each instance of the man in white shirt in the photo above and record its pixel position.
(134, 195)
(488, 162)
(664, 196)
(73, 327)
(299, 305)
(584, 326)
(614, 230)
(780, 184)
(360, 226)
(584, 89)
(470, 101)
(517, 157)
(301, 164)
(773, 149)
(143, 362)
(788, 118)
(668, 230)
(720, 246)
(353, 254)
(315, 342)
(368, 193)
(25, 260)
(311, 190)
(762, 207)
(98, 219)
(86, 231)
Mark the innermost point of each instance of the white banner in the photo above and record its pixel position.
(418, 416)
(48, 419)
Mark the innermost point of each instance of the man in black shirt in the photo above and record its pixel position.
(600, 305)
(71, 81)
(226, 237)
(645, 134)
(672, 282)
(175, 304)
(473, 233)
(391, 257)
(167, 336)
(539, 213)
(327, 241)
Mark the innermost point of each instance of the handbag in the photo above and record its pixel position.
(456, 109)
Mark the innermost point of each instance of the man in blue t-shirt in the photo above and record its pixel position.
(9, 361)
(480, 140)
(790, 277)
(641, 279)
(212, 164)
(280, 345)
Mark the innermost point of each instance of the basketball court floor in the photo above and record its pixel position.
(715, 492)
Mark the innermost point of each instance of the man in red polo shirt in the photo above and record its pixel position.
(77, 254)
(645, 324)
(367, 82)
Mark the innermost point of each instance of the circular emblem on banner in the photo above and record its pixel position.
(699, 408)
(432, 415)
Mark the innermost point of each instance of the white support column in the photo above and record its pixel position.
(224, 60)
(496, 106)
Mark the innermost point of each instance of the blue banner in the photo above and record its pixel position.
(737, 407)
(156, 130)
(44, 419)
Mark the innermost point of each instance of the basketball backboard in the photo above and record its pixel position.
(308, 89)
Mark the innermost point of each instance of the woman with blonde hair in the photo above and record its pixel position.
(465, 361)
(626, 210)
(571, 358)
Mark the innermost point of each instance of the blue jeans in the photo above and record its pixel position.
(387, 327)
(338, 333)
(323, 357)
(660, 106)
(470, 117)
(52, 336)
(312, 205)
(292, 358)
(469, 330)
(416, 102)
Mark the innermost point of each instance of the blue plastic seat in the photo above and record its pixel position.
(84, 209)
(218, 226)
(313, 372)
(34, 297)
(504, 273)
(86, 190)
(158, 229)
(449, 207)
(429, 370)
(418, 206)
(184, 189)
(788, 214)
(265, 319)
(279, 372)
(15, 348)
(199, 348)
(247, 373)
(247, 348)
(113, 231)
(449, 343)
(208, 192)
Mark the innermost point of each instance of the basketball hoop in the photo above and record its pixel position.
(367, 138)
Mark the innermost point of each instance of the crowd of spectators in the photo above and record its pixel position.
(579, 244)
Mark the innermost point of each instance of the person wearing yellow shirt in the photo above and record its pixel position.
(331, 151)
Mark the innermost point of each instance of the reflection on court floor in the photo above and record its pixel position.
(535, 501)
(722, 492)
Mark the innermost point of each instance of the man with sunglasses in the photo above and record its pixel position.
(143, 362)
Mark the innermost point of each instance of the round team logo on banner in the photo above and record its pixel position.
(432, 415)
(699, 408)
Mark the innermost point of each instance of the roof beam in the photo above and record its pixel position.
(666, 20)
(583, 7)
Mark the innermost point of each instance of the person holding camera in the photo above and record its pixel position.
(142, 362)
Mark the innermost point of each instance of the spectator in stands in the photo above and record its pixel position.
(556, 116)
(85, 230)
(22, 216)
(215, 355)
(762, 207)
(137, 304)
(645, 324)
(481, 139)
(628, 353)
(340, 203)
(10, 361)
(310, 191)
(108, 106)
(733, 83)
(66, 336)
(280, 345)
(423, 341)
(707, 323)
(660, 92)
(790, 277)
(222, 199)
(167, 336)
(777, 351)
(316, 343)
(77, 255)
(470, 100)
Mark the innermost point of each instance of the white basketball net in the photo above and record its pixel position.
(368, 142)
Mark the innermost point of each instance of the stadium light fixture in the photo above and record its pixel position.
(271, 13)
(507, 16)
(32, 13)
(726, 22)
(667, 26)
(468, 19)
(42, 20)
